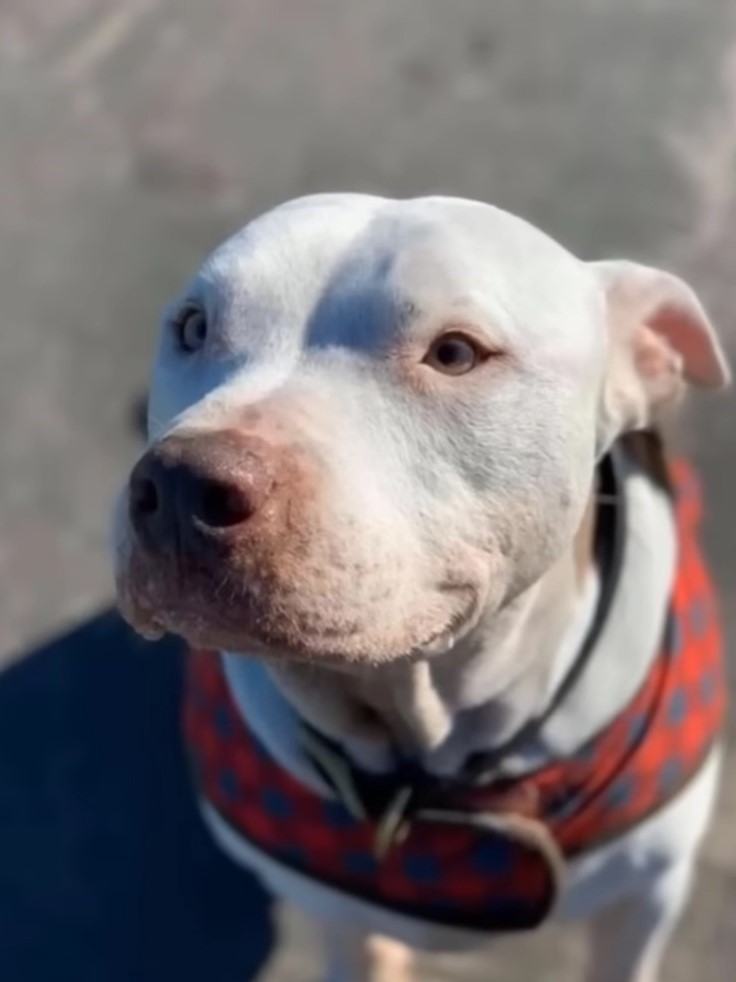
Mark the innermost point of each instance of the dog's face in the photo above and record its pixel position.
(372, 422)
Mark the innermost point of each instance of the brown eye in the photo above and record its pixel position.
(191, 329)
(454, 354)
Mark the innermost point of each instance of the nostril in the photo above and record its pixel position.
(185, 485)
(222, 505)
(144, 498)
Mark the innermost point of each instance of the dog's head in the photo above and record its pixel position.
(371, 422)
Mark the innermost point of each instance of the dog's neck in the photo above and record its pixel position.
(443, 709)
(440, 708)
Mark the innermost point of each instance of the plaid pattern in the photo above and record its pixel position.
(461, 874)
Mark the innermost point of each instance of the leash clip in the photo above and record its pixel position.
(337, 771)
(394, 825)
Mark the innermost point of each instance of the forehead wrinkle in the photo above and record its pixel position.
(362, 303)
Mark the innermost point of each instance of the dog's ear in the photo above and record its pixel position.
(660, 339)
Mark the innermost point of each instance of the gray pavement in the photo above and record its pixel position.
(136, 133)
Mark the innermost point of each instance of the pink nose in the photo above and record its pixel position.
(197, 483)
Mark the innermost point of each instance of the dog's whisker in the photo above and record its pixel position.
(219, 588)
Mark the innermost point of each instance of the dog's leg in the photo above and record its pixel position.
(352, 956)
(628, 939)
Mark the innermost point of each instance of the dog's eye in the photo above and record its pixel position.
(191, 329)
(454, 354)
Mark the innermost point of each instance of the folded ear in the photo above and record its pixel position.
(660, 339)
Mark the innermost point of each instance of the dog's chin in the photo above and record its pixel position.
(338, 649)
(301, 630)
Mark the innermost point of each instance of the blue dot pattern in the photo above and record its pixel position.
(492, 856)
(422, 868)
(361, 863)
(336, 815)
(622, 791)
(677, 707)
(276, 804)
(229, 785)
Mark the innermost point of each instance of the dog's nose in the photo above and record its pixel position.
(196, 483)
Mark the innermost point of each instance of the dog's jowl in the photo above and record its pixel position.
(455, 659)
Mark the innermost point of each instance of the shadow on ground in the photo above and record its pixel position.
(106, 872)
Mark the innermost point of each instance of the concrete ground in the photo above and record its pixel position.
(135, 134)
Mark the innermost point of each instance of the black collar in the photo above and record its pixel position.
(610, 539)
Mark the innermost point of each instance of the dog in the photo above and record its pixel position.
(455, 660)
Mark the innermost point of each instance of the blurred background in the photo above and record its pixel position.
(134, 135)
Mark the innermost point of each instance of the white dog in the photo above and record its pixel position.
(388, 460)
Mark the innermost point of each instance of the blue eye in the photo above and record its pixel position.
(191, 329)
